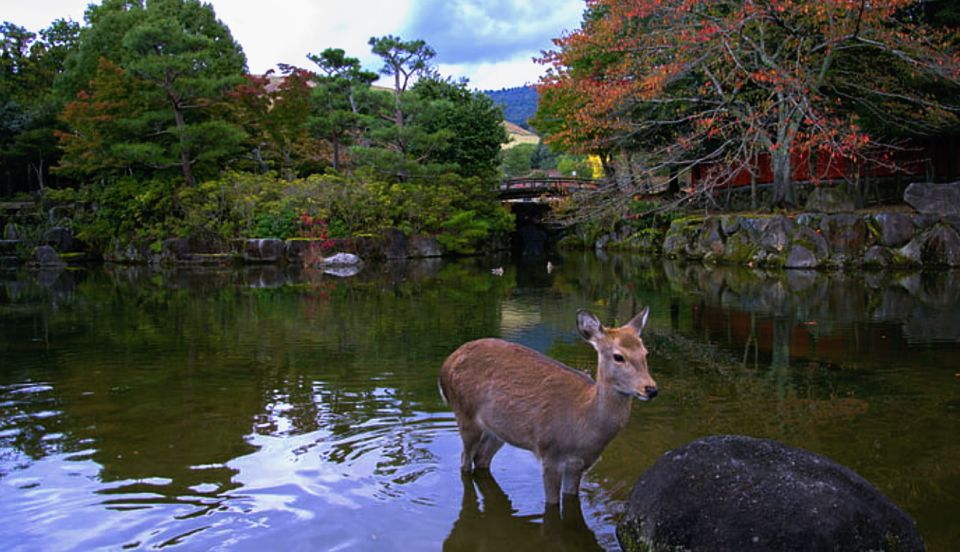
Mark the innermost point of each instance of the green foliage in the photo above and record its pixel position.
(28, 108)
(177, 61)
(129, 208)
(518, 160)
(281, 225)
(574, 165)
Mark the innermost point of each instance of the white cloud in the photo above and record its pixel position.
(285, 31)
(494, 76)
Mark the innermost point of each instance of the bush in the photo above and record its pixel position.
(238, 205)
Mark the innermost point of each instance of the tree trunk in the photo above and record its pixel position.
(784, 194)
(186, 165)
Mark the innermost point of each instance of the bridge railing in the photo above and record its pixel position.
(554, 186)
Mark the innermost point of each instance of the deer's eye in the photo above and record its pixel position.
(618, 357)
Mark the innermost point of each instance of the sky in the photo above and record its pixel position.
(491, 42)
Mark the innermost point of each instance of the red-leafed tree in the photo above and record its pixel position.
(274, 111)
(721, 82)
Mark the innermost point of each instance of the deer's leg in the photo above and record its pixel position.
(572, 472)
(489, 445)
(471, 435)
(552, 478)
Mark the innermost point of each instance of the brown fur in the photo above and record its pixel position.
(504, 392)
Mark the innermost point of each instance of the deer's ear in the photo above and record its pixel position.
(639, 321)
(588, 325)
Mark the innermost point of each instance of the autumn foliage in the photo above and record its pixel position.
(683, 83)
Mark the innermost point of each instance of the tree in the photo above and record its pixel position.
(184, 60)
(275, 110)
(518, 160)
(28, 66)
(468, 127)
(403, 60)
(723, 82)
(340, 99)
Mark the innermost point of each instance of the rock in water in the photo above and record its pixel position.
(731, 492)
(342, 259)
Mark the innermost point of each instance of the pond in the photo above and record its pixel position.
(261, 408)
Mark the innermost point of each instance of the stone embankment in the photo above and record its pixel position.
(58, 248)
(927, 236)
(391, 245)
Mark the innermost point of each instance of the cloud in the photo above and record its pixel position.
(287, 31)
(487, 31)
(494, 76)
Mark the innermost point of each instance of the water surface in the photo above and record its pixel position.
(262, 408)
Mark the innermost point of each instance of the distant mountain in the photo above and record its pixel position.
(519, 103)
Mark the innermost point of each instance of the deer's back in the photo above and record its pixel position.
(498, 375)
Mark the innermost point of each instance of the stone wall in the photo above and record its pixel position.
(926, 236)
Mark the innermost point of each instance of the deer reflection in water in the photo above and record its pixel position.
(488, 521)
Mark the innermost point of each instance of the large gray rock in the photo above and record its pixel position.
(709, 244)
(420, 246)
(342, 259)
(933, 198)
(777, 234)
(395, 246)
(732, 492)
(940, 246)
(895, 229)
(846, 236)
(125, 252)
(263, 250)
(60, 238)
(801, 257)
(46, 257)
(878, 257)
(831, 199)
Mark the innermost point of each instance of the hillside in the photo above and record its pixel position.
(519, 103)
(519, 135)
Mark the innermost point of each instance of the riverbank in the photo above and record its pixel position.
(59, 248)
(925, 233)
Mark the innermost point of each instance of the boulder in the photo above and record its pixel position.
(395, 246)
(940, 246)
(731, 492)
(46, 257)
(878, 256)
(420, 246)
(894, 229)
(304, 250)
(175, 249)
(777, 234)
(128, 253)
(60, 238)
(934, 198)
(846, 236)
(677, 240)
(263, 250)
(709, 244)
(341, 259)
(729, 224)
(800, 257)
(831, 199)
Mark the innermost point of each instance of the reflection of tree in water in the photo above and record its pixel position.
(488, 521)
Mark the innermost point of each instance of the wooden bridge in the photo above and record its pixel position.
(541, 190)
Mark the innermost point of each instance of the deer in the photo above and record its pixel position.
(502, 392)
